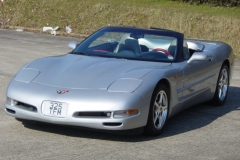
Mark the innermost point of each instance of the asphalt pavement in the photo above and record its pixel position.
(201, 132)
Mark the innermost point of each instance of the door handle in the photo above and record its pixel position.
(210, 58)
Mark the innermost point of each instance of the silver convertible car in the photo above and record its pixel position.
(122, 80)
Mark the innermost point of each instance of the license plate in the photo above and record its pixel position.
(54, 109)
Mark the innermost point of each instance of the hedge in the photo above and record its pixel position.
(224, 3)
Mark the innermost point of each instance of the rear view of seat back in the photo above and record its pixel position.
(173, 48)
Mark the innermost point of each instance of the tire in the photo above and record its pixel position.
(158, 111)
(221, 92)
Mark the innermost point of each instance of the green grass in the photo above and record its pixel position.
(86, 16)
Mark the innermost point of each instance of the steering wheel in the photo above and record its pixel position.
(162, 51)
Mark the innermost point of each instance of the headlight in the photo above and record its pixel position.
(125, 85)
(125, 113)
(12, 102)
(26, 75)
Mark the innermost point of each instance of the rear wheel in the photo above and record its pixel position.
(222, 86)
(158, 113)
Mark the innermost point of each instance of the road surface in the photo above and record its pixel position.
(201, 132)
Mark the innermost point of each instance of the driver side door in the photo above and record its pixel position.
(199, 76)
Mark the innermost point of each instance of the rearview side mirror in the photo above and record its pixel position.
(72, 44)
(198, 56)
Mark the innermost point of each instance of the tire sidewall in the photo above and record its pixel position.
(216, 100)
(150, 128)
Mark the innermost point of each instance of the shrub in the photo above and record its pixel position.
(224, 3)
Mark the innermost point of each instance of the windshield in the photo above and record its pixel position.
(129, 44)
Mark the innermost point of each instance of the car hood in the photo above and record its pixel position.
(88, 72)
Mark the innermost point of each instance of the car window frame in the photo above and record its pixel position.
(159, 32)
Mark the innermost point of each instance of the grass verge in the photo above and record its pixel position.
(203, 22)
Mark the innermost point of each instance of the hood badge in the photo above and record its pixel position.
(62, 91)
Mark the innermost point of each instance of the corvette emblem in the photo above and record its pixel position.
(62, 91)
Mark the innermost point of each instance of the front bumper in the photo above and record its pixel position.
(109, 123)
(79, 101)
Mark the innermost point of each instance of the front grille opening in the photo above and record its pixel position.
(27, 107)
(92, 114)
(112, 124)
(10, 111)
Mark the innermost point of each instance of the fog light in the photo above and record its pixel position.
(108, 114)
(125, 113)
(11, 101)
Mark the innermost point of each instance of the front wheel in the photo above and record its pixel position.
(222, 86)
(158, 112)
